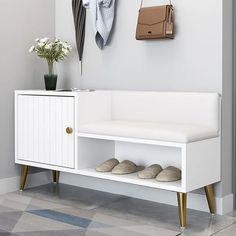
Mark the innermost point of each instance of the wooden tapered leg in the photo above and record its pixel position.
(23, 176)
(55, 175)
(182, 204)
(209, 190)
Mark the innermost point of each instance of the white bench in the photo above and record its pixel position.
(167, 128)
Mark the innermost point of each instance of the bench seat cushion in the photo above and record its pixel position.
(150, 130)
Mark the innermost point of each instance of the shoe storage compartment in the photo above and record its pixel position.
(92, 152)
(194, 159)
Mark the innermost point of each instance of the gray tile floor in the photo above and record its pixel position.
(55, 210)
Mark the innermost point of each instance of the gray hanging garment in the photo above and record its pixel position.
(102, 14)
(79, 13)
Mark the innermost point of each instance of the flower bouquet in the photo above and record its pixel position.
(53, 51)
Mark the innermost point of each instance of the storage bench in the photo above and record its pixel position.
(75, 131)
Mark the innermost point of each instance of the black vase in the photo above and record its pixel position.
(50, 82)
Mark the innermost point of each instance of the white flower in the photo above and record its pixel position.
(61, 43)
(64, 44)
(44, 40)
(56, 40)
(37, 40)
(31, 49)
(48, 46)
(65, 51)
(41, 44)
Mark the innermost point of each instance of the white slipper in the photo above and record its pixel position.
(170, 174)
(126, 167)
(107, 166)
(150, 172)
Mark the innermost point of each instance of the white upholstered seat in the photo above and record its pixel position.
(150, 130)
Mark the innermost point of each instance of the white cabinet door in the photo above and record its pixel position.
(41, 130)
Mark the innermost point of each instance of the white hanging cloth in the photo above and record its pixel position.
(102, 13)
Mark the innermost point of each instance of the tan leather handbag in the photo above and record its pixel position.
(155, 22)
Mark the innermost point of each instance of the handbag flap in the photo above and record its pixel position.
(152, 15)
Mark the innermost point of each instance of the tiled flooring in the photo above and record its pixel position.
(62, 210)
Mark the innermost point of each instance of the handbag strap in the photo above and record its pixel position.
(141, 4)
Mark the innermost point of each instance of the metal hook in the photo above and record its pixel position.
(141, 4)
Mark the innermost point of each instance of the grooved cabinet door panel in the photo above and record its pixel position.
(41, 126)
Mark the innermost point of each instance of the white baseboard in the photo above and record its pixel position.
(195, 201)
(227, 204)
(12, 184)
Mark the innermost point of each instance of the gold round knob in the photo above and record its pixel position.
(69, 130)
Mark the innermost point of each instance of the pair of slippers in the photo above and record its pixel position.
(169, 174)
(119, 168)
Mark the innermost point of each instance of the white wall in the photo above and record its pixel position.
(193, 61)
(20, 23)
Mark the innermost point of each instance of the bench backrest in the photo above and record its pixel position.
(169, 107)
